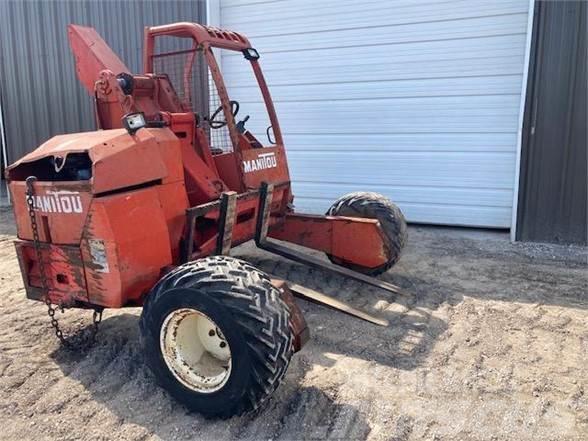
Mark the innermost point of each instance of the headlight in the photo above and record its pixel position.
(250, 53)
(133, 122)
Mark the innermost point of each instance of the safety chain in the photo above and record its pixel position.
(96, 317)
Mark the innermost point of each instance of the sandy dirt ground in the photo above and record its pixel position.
(490, 344)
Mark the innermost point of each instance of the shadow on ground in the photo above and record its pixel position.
(438, 272)
(114, 374)
(403, 344)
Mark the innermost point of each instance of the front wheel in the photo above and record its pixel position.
(217, 336)
(374, 206)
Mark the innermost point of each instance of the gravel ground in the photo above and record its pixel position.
(490, 343)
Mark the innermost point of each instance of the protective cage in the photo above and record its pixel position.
(192, 80)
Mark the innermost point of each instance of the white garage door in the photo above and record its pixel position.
(415, 100)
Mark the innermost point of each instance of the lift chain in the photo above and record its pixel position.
(51, 310)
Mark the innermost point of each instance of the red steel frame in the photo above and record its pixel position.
(168, 206)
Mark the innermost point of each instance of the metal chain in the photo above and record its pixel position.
(96, 317)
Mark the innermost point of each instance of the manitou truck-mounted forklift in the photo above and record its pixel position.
(144, 211)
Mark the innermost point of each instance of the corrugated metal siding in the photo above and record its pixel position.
(553, 190)
(418, 100)
(41, 95)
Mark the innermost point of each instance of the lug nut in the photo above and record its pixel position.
(211, 333)
(222, 344)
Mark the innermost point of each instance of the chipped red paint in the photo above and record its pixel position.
(352, 239)
(299, 326)
(64, 275)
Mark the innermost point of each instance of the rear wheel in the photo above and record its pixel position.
(373, 206)
(217, 336)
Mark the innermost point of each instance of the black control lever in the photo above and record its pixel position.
(241, 124)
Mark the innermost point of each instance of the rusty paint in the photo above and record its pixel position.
(297, 321)
(63, 272)
(355, 240)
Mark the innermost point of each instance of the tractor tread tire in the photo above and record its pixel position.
(258, 312)
(374, 206)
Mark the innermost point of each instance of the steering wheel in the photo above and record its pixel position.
(218, 124)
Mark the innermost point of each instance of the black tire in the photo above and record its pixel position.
(250, 314)
(373, 206)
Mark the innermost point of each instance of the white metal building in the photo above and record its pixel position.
(418, 100)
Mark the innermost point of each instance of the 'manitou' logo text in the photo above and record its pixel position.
(263, 161)
(58, 202)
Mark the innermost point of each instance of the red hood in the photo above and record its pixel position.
(119, 160)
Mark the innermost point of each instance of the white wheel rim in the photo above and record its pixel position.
(195, 350)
